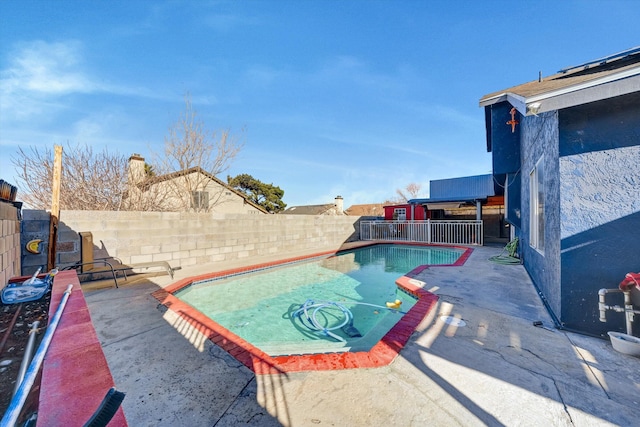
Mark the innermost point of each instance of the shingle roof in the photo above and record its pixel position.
(625, 65)
(308, 209)
(371, 209)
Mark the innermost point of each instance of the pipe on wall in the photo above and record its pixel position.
(627, 309)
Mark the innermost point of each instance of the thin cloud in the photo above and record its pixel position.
(444, 114)
(353, 70)
(39, 73)
(334, 74)
(46, 68)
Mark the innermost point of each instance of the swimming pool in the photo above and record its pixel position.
(353, 287)
(254, 312)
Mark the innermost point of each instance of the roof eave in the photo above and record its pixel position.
(615, 84)
(579, 94)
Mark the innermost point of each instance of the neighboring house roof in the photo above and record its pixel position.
(309, 209)
(603, 78)
(372, 209)
(198, 169)
(326, 209)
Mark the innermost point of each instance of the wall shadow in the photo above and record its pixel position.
(595, 259)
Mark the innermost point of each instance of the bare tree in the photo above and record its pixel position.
(182, 179)
(90, 181)
(412, 192)
(192, 155)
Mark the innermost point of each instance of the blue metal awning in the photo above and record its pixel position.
(467, 189)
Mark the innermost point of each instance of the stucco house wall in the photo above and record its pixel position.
(592, 206)
(585, 123)
(174, 192)
(540, 139)
(599, 207)
(222, 199)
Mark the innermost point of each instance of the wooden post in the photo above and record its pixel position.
(55, 206)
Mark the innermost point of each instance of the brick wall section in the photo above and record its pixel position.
(9, 243)
(185, 239)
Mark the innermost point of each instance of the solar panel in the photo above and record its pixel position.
(604, 60)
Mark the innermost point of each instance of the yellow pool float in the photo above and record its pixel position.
(394, 305)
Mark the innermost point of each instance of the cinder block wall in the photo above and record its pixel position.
(9, 243)
(185, 239)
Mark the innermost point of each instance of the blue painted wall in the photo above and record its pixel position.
(599, 169)
(592, 203)
(504, 144)
(540, 138)
(34, 225)
(513, 199)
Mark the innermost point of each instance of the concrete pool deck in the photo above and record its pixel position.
(497, 370)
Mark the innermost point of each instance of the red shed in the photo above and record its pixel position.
(405, 212)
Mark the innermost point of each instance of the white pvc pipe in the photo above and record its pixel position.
(15, 407)
(27, 355)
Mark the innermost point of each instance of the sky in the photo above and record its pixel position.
(352, 98)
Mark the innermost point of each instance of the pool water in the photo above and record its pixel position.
(259, 306)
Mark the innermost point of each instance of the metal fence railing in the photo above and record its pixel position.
(461, 232)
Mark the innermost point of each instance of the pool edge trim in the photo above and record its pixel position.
(381, 354)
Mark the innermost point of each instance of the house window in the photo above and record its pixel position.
(400, 214)
(536, 208)
(200, 200)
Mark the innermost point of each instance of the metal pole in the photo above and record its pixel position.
(15, 407)
(27, 355)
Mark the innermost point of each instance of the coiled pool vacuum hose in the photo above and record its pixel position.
(310, 309)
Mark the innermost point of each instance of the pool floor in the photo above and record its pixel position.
(381, 354)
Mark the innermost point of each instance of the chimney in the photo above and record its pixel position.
(340, 205)
(136, 169)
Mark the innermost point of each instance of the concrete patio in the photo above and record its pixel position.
(497, 370)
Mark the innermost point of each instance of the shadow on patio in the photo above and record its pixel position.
(498, 369)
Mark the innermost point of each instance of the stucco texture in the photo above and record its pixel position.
(600, 208)
(540, 138)
(598, 187)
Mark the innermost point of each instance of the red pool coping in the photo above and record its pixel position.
(75, 375)
(381, 354)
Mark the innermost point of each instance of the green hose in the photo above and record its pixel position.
(510, 258)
